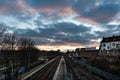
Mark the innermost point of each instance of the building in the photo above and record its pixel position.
(89, 48)
(110, 43)
(74, 55)
(79, 53)
(110, 48)
(87, 52)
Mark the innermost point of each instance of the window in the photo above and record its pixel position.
(103, 49)
(113, 44)
(104, 45)
(108, 47)
(118, 46)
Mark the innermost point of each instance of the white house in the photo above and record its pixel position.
(110, 48)
(110, 43)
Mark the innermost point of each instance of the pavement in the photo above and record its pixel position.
(61, 72)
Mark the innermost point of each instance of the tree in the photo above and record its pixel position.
(2, 32)
(4, 55)
(27, 46)
(10, 42)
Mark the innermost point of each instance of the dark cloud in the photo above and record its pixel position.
(50, 17)
(47, 3)
(62, 33)
(63, 28)
(59, 34)
(82, 5)
(73, 38)
(103, 13)
(110, 30)
(27, 32)
(4, 2)
(71, 28)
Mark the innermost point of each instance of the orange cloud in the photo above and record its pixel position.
(62, 47)
(87, 20)
(21, 5)
(60, 10)
(65, 47)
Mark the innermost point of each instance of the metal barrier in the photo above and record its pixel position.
(38, 69)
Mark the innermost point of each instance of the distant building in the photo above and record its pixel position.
(89, 48)
(110, 48)
(74, 55)
(87, 52)
(83, 53)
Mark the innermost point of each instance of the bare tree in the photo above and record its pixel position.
(2, 31)
(3, 55)
(9, 43)
(26, 45)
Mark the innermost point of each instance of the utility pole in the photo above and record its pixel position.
(12, 72)
(29, 61)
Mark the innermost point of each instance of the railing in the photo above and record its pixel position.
(35, 71)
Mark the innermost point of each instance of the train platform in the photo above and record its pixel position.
(61, 72)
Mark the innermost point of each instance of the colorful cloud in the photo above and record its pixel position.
(62, 22)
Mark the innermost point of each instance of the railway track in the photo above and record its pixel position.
(70, 69)
(78, 72)
(47, 72)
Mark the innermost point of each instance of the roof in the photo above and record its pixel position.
(110, 39)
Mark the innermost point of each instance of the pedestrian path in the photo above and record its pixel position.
(61, 71)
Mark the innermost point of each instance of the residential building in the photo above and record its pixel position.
(110, 48)
(110, 43)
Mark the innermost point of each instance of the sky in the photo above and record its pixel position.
(62, 24)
